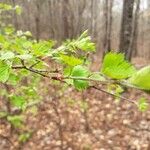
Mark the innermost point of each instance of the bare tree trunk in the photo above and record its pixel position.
(148, 2)
(37, 21)
(126, 28)
(65, 18)
(133, 45)
(108, 25)
(15, 21)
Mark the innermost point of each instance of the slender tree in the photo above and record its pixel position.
(37, 20)
(126, 28)
(65, 18)
(108, 4)
(15, 21)
(133, 43)
(148, 23)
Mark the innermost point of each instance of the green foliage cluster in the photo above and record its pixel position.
(22, 57)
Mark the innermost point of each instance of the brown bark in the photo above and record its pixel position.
(133, 45)
(65, 18)
(126, 28)
(37, 20)
(148, 1)
(108, 25)
(15, 21)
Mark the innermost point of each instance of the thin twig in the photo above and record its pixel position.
(60, 78)
(112, 94)
(34, 64)
(89, 79)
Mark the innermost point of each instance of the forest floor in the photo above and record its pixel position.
(89, 120)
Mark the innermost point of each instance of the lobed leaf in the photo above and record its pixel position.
(71, 60)
(116, 67)
(7, 55)
(4, 71)
(142, 104)
(141, 79)
(80, 71)
(18, 101)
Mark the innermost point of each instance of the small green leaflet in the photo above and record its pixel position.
(71, 60)
(67, 72)
(141, 79)
(16, 120)
(24, 137)
(18, 101)
(18, 9)
(4, 71)
(83, 43)
(80, 71)
(42, 48)
(3, 114)
(86, 44)
(7, 55)
(115, 66)
(24, 56)
(5, 6)
(13, 79)
(97, 76)
(142, 104)
(9, 30)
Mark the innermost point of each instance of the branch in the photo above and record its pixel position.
(37, 72)
(18, 67)
(57, 76)
(89, 79)
(34, 64)
(61, 78)
(112, 94)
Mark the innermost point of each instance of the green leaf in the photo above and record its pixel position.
(18, 9)
(5, 6)
(67, 72)
(115, 66)
(86, 44)
(18, 101)
(82, 43)
(28, 33)
(71, 60)
(42, 48)
(83, 35)
(80, 71)
(141, 79)
(3, 114)
(4, 71)
(97, 76)
(16, 120)
(9, 30)
(24, 137)
(142, 104)
(13, 79)
(119, 89)
(7, 55)
(25, 56)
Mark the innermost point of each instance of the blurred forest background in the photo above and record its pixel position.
(65, 118)
(61, 19)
